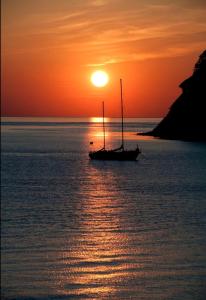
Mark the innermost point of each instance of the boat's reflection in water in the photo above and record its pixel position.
(99, 259)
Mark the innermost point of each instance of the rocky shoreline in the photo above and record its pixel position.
(186, 119)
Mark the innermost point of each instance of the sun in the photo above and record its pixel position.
(99, 78)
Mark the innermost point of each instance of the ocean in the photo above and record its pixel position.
(73, 228)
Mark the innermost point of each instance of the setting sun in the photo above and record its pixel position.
(99, 78)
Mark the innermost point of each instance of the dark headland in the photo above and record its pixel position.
(186, 119)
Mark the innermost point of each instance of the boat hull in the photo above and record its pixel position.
(114, 155)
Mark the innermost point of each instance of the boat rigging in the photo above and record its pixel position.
(119, 153)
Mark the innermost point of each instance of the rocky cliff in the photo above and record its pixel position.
(186, 119)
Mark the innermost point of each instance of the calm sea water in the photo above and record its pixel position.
(79, 229)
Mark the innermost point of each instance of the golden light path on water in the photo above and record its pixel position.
(100, 252)
(101, 256)
(99, 120)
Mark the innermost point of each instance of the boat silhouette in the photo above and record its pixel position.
(119, 153)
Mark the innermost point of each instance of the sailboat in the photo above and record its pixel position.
(115, 154)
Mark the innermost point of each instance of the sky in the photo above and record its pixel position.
(51, 47)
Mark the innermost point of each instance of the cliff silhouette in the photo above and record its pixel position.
(186, 119)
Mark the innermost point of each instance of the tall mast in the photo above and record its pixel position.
(103, 124)
(122, 112)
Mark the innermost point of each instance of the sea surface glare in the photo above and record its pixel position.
(73, 228)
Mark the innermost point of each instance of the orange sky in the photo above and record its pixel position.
(50, 48)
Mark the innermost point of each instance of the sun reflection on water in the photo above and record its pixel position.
(98, 260)
(99, 120)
